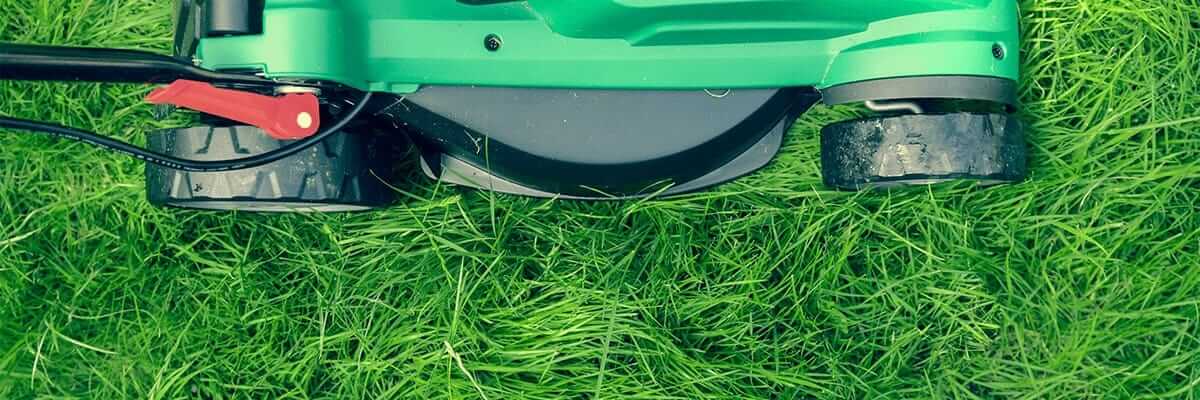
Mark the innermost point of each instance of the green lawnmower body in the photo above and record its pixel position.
(397, 46)
(577, 99)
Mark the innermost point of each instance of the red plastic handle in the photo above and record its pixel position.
(288, 117)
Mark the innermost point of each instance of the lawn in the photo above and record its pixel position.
(1083, 282)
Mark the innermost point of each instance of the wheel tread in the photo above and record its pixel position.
(335, 172)
(907, 149)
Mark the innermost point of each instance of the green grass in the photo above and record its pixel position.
(1083, 282)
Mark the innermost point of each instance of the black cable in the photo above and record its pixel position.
(168, 161)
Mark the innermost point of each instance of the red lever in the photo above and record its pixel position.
(292, 116)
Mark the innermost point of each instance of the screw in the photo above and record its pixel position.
(304, 120)
(492, 42)
(998, 51)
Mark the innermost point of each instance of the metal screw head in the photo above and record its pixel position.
(492, 42)
(304, 120)
(998, 51)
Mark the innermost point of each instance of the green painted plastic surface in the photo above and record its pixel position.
(398, 45)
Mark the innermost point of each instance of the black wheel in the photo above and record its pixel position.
(923, 149)
(343, 173)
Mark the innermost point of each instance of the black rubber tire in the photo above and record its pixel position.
(923, 149)
(343, 173)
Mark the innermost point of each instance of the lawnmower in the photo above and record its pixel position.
(308, 105)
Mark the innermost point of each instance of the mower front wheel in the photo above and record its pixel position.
(345, 172)
(921, 149)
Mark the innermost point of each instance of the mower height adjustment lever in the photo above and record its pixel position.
(288, 117)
